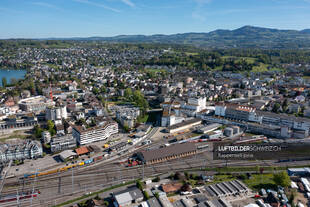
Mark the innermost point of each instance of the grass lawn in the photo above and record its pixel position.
(222, 178)
(144, 118)
(258, 181)
(154, 70)
(14, 135)
(261, 68)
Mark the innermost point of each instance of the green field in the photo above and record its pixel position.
(247, 59)
(259, 181)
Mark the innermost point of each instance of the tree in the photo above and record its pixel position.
(186, 187)
(13, 81)
(126, 128)
(38, 131)
(146, 195)
(106, 203)
(276, 107)
(128, 93)
(95, 90)
(282, 179)
(157, 179)
(51, 127)
(139, 185)
(285, 105)
(4, 82)
(186, 175)
(177, 176)
(156, 194)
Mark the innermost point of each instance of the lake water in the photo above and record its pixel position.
(9, 74)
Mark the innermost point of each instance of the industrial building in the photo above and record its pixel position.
(94, 134)
(214, 134)
(184, 125)
(167, 153)
(232, 131)
(302, 172)
(208, 128)
(127, 197)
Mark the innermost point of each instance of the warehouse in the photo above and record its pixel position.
(167, 153)
(184, 125)
(208, 128)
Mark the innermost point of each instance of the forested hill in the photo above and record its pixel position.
(244, 37)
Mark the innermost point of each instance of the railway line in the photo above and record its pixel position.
(61, 187)
(113, 172)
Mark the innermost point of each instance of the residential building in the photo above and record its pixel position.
(26, 149)
(94, 134)
(62, 143)
(35, 104)
(56, 113)
(46, 137)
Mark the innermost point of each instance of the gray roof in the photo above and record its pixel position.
(175, 149)
(123, 198)
(134, 192)
(282, 116)
(153, 202)
(184, 123)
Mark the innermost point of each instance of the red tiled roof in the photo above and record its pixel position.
(82, 150)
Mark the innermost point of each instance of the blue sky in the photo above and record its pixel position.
(84, 18)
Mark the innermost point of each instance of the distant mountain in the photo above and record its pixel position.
(244, 37)
(306, 31)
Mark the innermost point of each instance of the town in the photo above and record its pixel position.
(131, 125)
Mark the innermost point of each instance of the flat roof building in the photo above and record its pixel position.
(184, 125)
(167, 153)
(94, 134)
(35, 104)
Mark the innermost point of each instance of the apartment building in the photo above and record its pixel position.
(62, 143)
(35, 104)
(26, 149)
(94, 134)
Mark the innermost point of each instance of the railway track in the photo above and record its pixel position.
(117, 173)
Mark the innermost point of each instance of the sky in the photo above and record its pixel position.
(87, 18)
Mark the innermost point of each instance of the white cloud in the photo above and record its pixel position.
(98, 5)
(129, 3)
(44, 4)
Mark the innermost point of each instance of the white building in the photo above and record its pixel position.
(197, 104)
(220, 110)
(62, 143)
(35, 104)
(46, 137)
(56, 113)
(27, 149)
(94, 134)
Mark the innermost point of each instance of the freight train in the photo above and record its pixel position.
(62, 169)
